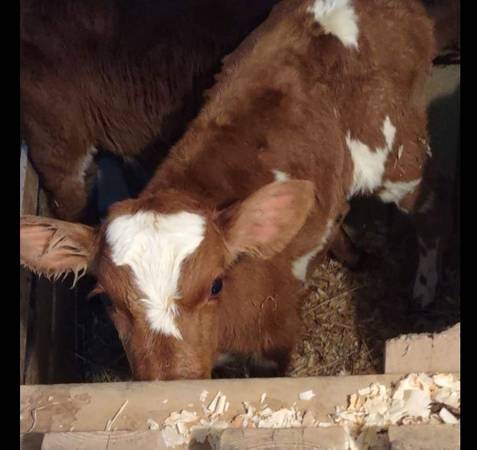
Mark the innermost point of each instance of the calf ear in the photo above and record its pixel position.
(53, 247)
(269, 219)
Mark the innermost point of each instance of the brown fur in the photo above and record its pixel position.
(118, 75)
(273, 108)
(446, 18)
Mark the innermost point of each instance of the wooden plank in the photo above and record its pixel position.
(31, 441)
(438, 352)
(28, 205)
(403, 437)
(38, 360)
(63, 368)
(28, 184)
(424, 437)
(88, 407)
(101, 440)
(301, 438)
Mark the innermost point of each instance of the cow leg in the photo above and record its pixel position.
(62, 163)
(412, 187)
(422, 205)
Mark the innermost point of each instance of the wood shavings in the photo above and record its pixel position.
(447, 417)
(446, 381)
(175, 430)
(152, 425)
(220, 405)
(203, 395)
(268, 418)
(306, 395)
(283, 418)
(324, 424)
(172, 438)
(263, 397)
(409, 402)
(213, 404)
(165, 401)
(308, 419)
(412, 400)
(111, 421)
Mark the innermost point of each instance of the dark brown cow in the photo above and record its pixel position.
(322, 103)
(120, 75)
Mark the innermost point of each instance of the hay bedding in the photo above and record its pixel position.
(347, 315)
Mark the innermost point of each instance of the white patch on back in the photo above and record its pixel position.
(280, 176)
(395, 191)
(426, 279)
(154, 246)
(369, 166)
(300, 265)
(337, 17)
(389, 131)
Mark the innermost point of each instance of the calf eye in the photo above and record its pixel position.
(216, 287)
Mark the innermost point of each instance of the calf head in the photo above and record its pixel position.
(181, 275)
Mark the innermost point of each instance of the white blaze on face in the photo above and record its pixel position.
(337, 17)
(368, 166)
(426, 279)
(300, 265)
(154, 246)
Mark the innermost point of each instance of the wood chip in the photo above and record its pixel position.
(447, 417)
(152, 425)
(213, 404)
(203, 395)
(110, 422)
(306, 395)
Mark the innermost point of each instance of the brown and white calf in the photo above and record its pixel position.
(322, 103)
(117, 75)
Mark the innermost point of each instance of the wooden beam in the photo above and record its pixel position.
(31, 441)
(101, 440)
(438, 352)
(39, 355)
(88, 407)
(291, 438)
(28, 184)
(403, 437)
